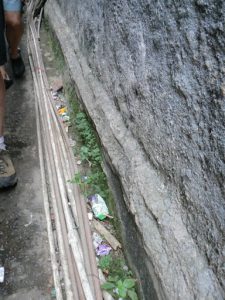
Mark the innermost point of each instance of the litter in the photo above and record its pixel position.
(90, 216)
(55, 95)
(84, 178)
(66, 128)
(99, 207)
(97, 240)
(53, 293)
(2, 274)
(65, 118)
(59, 106)
(125, 268)
(62, 110)
(106, 234)
(31, 219)
(72, 142)
(63, 113)
(103, 250)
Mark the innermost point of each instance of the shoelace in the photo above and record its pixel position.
(3, 165)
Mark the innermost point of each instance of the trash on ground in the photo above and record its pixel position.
(31, 219)
(54, 95)
(84, 178)
(65, 118)
(99, 207)
(125, 268)
(90, 216)
(72, 142)
(59, 106)
(2, 274)
(53, 293)
(103, 250)
(97, 240)
(62, 111)
(106, 234)
(57, 97)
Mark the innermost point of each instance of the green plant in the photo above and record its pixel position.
(70, 94)
(84, 153)
(120, 282)
(92, 183)
(124, 289)
(119, 268)
(81, 181)
(105, 263)
(90, 151)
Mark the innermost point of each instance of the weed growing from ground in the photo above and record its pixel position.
(120, 283)
(90, 151)
(94, 180)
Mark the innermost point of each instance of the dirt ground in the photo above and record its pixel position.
(24, 249)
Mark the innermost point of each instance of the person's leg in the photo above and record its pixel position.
(7, 80)
(2, 110)
(14, 32)
(7, 172)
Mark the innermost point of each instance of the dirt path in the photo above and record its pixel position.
(24, 249)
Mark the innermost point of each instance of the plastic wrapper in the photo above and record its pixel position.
(99, 207)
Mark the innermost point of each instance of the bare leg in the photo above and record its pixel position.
(3, 72)
(7, 171)
(2, 105)
(14, 31)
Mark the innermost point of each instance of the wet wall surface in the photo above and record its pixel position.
(161, 65)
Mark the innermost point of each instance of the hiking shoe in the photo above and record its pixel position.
(18, 66)
(7, 172)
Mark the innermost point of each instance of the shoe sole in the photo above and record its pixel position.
(8, 182)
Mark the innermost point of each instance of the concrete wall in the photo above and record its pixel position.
(152, 77)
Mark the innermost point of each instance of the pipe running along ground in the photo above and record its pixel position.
(75, 245)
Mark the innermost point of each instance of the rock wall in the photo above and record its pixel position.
(151, 76)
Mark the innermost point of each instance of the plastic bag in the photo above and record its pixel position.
(99, 207)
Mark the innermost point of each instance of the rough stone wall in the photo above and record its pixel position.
(152, 77)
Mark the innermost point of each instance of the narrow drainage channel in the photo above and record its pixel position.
(120, 281)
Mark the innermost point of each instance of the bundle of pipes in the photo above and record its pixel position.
(73, 234)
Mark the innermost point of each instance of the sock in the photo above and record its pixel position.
(2, 143)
